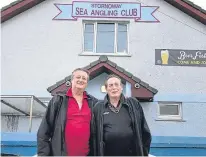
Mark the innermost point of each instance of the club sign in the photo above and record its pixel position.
(86, 9)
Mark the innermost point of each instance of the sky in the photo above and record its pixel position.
(201, 3)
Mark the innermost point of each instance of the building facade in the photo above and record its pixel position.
(157, 47)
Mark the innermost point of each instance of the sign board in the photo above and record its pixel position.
(175, 57)
(86, 9)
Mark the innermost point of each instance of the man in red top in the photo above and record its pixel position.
(66, 128)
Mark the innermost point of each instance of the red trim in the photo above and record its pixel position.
(27, 4)
(15, 7)
(192, 9)
(142, 92)
(61, 88)
(119, 73)
(18, 8)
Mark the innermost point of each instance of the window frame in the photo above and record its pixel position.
(169, 117)
(115, 52)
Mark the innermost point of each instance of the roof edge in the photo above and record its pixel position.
(192, 10)
(20, 6)
(16, 8)
(104, 59)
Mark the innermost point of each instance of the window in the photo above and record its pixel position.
(170, 111)
(101, 38)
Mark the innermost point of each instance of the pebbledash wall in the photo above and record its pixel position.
(38, 51)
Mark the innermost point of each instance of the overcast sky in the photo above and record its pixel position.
(201, 3)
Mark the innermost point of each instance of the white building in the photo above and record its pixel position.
(44, 41)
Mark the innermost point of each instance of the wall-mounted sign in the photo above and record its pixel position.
(81, 9)
(170, 57)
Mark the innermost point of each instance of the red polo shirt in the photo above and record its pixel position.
(77, 130)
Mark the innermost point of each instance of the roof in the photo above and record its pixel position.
(190, 8)
(21, 105)
(195, 6)
(20, 6)
(16, 8)
(103, 64)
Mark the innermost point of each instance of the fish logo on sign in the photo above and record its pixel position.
(87, 9)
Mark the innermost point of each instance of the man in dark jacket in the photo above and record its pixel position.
(121, 128)
(66, 126)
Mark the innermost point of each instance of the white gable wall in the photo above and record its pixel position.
(38, 51)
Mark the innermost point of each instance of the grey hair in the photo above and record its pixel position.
(80, 69)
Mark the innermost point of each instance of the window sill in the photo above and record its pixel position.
(105, 54)
(167, 119)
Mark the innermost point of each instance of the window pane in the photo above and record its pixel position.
(169, 110)
(105, 38)
(89, 28)
(88, 37)
(122, 27)
(122, 38)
